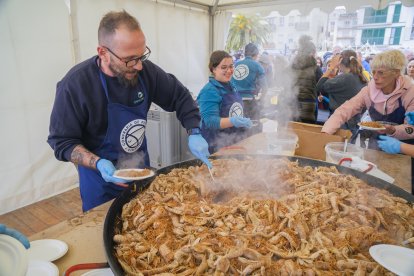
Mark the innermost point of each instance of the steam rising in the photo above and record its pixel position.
(257, 178)
(131, 161)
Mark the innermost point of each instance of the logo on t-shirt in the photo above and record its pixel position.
(140, 97)
(236, 110)
(132, 135)
(409, 130)
(241, 72)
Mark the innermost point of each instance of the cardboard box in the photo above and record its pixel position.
(312, 142)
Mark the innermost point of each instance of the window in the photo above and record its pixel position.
(375, 16)
(395, 36)
(373, 36)
(291, 21)
(397, 12)
(412, 31)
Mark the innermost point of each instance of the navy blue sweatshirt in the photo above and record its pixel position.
(79, 114)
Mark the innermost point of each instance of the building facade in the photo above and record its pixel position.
(367, 28)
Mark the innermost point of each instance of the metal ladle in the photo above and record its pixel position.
(221, 193)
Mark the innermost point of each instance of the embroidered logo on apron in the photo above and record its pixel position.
(236, 110)
(140, 96)
(132, 135)
(241, 72)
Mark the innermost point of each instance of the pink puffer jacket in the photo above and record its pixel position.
(370, 95)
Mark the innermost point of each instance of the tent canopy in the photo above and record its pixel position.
(283, 6)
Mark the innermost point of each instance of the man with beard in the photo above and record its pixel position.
(101, 105)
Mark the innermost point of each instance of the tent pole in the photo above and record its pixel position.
(211, 32)
(74, 31)
(212, 13)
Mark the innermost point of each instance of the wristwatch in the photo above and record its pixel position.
(193, 131)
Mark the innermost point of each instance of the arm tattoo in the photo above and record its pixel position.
(81, 156)
(92, 161)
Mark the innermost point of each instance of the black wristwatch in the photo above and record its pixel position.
(193, 131)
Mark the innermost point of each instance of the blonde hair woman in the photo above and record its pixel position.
(388, 96)
(410, 68)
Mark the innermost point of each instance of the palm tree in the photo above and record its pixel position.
(244, 30)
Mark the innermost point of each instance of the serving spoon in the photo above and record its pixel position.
(221, 191)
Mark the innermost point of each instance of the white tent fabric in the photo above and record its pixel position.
(40, 42)
(222, 20)
(35, 54)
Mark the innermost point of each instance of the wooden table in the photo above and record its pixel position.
(84, 233)
(84, 236)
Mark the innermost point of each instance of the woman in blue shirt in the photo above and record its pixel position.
(221, 107)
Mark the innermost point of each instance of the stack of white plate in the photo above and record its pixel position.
(41, 255)
(35, 261)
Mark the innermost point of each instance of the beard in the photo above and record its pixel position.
(120, 74)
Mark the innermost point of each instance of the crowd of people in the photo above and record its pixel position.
(347, 84)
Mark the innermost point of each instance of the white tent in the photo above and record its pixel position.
(41, 40)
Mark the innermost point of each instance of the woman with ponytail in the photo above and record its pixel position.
(342, 86)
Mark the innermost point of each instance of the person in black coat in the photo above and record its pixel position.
(306, 73)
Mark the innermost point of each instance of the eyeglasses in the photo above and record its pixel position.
(132, 62)
(225, 68)
(380, 73)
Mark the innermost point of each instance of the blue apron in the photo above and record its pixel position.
(125, 136)
(397, 116)
(231, 106)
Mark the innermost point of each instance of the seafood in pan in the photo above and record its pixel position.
(311, 221)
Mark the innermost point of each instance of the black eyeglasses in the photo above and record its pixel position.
(132, 62)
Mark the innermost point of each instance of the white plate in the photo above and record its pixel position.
(387, 123)
(99, 272)
(370, 128)
(13, 257)
(42, 268)
(397, 259)
(47, 250)
(133, 178)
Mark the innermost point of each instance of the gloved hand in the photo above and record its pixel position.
(199, 148)
(15, 234)
(241, 122)
(107, 169)
(389, 144)
(410, 117)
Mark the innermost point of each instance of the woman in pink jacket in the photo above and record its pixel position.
(388, 96)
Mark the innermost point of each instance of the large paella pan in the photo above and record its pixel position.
(281, 215)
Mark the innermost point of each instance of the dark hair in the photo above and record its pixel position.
(216, 57)
(251, 50)
(112, 21)
(350, 60)
(306, 46)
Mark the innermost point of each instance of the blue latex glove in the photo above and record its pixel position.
(107, 169)
(241, 122)
(15, 234)
(389, 144)
(199, 148)
(410, 117)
